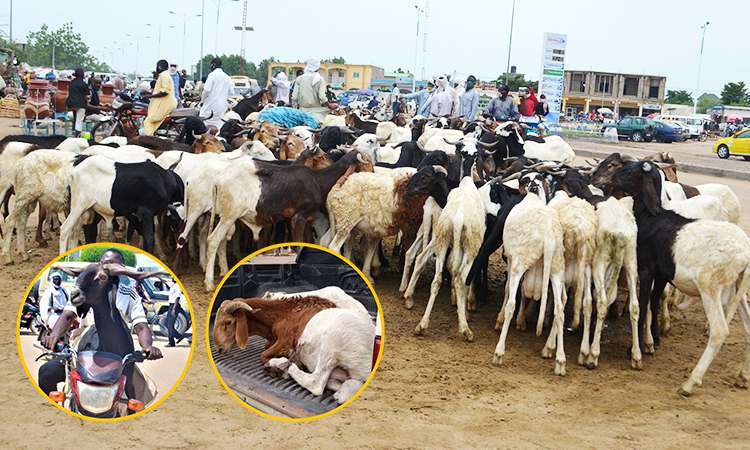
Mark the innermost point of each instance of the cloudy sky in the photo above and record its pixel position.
(635, 36)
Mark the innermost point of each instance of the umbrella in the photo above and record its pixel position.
(605, 111)
(366, 91)
(651, 116)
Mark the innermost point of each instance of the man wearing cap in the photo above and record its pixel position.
(216, 91)
(53, 300)
(423, 98)
(175, 78)
(502, 107)
(310, 92)
(394, 99)
(469, 100)
(442, 100)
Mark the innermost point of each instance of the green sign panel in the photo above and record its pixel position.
(554, 73)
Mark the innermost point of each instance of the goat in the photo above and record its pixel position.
(705, 259)
(270, 194)
(334, 343)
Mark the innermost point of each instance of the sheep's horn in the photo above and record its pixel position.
(647, 167)
(382, 139)
(196, 136)
(115, 270)
(420, 146)
(486, 145)
(441, 169)
(592, 164)
(361, 159)
(452, 143)
(626, 157)
(513, 176)
(347, 130)
(232, 306)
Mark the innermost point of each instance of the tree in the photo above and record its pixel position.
(70, 52)
(704, 104)
(517, 81)
(335, 60)
(679, 98)
(94, 254)
(735, 94)
(230, 64)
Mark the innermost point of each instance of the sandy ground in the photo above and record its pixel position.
(430, 391)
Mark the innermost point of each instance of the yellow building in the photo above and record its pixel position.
(339, 76)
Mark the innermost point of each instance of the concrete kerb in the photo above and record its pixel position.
(690, 168)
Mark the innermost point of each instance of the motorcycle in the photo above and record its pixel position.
(95, 384)
(31, 317)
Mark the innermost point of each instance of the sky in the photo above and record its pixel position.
(634, 37)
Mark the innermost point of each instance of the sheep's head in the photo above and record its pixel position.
(602, 175)
(233, 325)
(533, 183)
(268, 134)
(641, 179)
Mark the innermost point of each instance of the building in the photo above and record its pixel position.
(339, 76)
(624, 94)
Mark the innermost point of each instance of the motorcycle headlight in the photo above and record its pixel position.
(96, 399)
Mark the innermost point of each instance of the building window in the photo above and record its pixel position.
(653, 90)
(630, 87)
(579, 83)
(355, 75)
(604, 84)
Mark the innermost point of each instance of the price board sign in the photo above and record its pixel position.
(553, 65)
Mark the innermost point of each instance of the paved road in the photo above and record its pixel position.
(165, 372)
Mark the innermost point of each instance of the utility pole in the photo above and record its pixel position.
(700, 60)
(243, 28)
(424, 43)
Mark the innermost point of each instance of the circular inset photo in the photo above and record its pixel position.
(295, 332)
(105, 331)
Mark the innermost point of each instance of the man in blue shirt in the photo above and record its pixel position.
(502, 107)
(175, 78)
(469, 102)
(422, 98)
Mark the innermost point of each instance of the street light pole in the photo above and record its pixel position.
(203, 16)
(510, 41)
(137, 51)
(216, 43)
(416, 48)
(158, 48)
(700, 60)
(184, 30)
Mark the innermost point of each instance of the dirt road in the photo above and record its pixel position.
(431, 391)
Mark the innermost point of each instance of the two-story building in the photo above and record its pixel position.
(624, 94)
(339, 76)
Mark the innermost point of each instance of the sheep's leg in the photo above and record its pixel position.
(67, 229)
(459, 286)
(159, 244)
(314, 382)
(587, 311)
(717, 334)
(523, 311)
(347, 390)
(222, 251)
(556, 334)
(418, 268)
(501, 314)
(8, 238)
(636, 358)
(434, 289)
(203, 240)
(580, 288)
(410, 256)
(214, 240)
(602, 307)
(514, 276)
(371, 248)
(744, 375)
(41, 233)
(20, 224)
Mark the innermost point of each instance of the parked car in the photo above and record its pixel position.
(349, 96)
(668, 132)
(686, 133)
(737, 144)
(636, 128)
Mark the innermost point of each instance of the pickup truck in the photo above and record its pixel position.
(242, 370)
(636, 128)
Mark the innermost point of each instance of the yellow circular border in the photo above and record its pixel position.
(18, 331)
(208, 338)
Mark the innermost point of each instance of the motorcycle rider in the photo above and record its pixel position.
(130, 306)
(527, 102)
(501, 107)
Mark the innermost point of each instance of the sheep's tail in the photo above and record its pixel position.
(740, 298)
(549, 251)
(616, 243)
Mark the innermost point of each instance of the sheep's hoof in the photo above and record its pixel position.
(9, 263)
(274, 372)
(582, 357)
(420, 328)
(469, 335)
(498, 325)
(521, 325)
(25, 257)
(560, 368)
(636, 364)
(43, 244)
(497, 360)
(684, 392)
(409, 303)
(741, 382)
(547, 353)
(592, 365)
(648, 349)
(576, 323)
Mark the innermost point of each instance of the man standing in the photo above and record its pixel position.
(394, 99)
(216, 91)
(469, 100)
(423, 98)
(501, 107)
(310, 92)
(175, 295)
(175, 79)
(53, 300)
(119, 82)
(442, 100)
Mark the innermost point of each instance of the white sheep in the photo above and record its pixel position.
(533, 242)
(616, 238)
(73, 145)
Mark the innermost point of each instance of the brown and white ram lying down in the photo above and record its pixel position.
(332, 339)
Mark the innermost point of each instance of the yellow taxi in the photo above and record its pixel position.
(737, 144)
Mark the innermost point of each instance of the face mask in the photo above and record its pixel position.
(172, 70)
(56, 282)
(429, 88)
(212, 67)
(469, 85)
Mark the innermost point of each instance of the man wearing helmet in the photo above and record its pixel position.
(501, 107)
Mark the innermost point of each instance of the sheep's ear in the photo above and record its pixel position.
(651, 196)
(241, 334)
